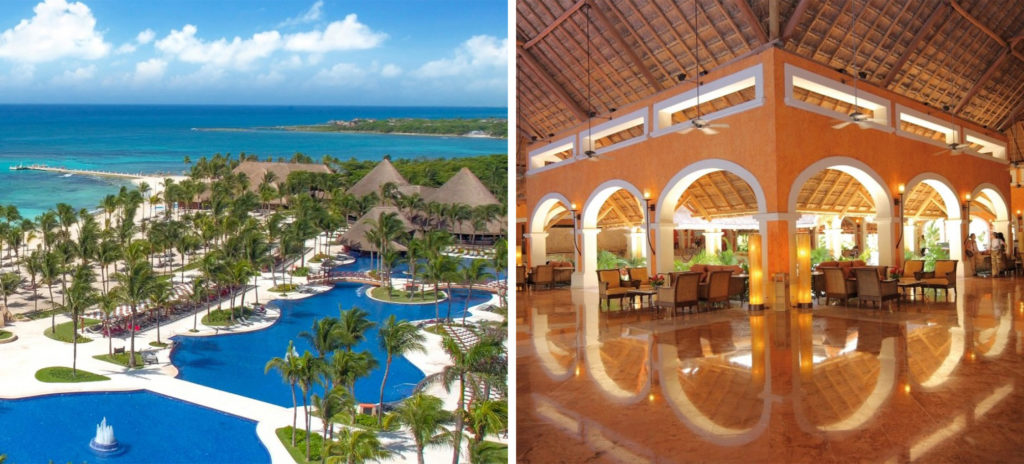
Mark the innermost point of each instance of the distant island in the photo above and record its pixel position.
(460, 127)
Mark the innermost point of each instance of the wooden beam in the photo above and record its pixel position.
(531, 62)
(773, 19)
(558, 21)
(982, 80)
(1011, 116)
(925, 29)
(749, 15)
(614, 33)
(959, 9)
(639, 40)
(794, 19)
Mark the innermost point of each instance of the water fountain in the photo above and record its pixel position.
(104, 442)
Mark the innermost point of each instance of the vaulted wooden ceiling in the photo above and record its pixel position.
(964, 53)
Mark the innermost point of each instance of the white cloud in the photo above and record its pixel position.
(348, 34)
(390, 70)
(481, 53)
(151, 69)
(145, 37)
(77, 75)
(340, 75)
(125, 49)
(59, 29)
(240, 53)
(313, 14)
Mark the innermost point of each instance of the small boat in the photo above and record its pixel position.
(19, 167)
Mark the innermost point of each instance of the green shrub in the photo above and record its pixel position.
(60, 374)
(298, 452)
(301, 272)
(121, 359)
(5, 334)
(284, 288)
(222, 317)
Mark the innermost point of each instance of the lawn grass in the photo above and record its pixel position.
(60, 374)
(158, 344)
(34, 315)
(222, 317)
(64, 331)
(121, 359)
(402, 296)
(284, 288)
(298, 451)
(5, 334)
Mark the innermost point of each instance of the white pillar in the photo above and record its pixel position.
(833, 236)
(956, 243)
(538, 242)
(586, 274)
(713, 241)
(664, 251)
(636, 245)
(885, 241)
(909, 239)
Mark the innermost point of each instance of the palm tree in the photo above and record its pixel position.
(488, 452)
(50, 271)
(238, 274)
(397, 338)
(346, 367)
(471, 275)
(499, 262)
(9, 283)
(108, 304)
(352, 327)
(486, 417)
(199, 294)
(464, 362)
(81, 295)
(108, 253)
(160, 296)
(323, 336)
(425, 417)
(356, 447)
(135, 286)
(309, 369)
(34, 266)
(333, 403)
(288, 366)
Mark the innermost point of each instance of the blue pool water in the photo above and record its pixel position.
(235, 362)
(156, 138)
(152, 427)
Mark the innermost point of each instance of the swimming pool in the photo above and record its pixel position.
(235, 362)
(153, 429)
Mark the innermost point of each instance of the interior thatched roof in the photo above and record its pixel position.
(968, 54)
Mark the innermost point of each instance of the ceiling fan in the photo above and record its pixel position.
(699, 123)
(953, 148)
(856, 117)
(590, 154)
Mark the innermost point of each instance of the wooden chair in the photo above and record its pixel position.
(836, 286)
(542, 275)
(521, 278)
(717, 289)
(683, 293)
(942, 277)
(638, 278)
(871, 288)
(610, 286)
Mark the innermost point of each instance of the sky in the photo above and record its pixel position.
(301, 52)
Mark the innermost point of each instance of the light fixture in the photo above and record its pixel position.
(698, 123)
(575, 221)
(803, 262)
(648, 209)
(898, 201)
(756, 301)
(590, 105)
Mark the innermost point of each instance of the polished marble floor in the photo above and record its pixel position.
(932, 381)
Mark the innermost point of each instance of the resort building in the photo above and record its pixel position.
(830, 190)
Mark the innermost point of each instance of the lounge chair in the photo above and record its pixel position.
(638, 278)
(837, 286)
(610, 286)
(717, 288)
(520, 277)
(942, 277)
(542, 275)
(683, 293)
(871, 288)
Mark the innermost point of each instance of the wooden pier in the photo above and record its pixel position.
(84, 172)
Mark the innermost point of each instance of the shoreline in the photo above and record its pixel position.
(307, 131)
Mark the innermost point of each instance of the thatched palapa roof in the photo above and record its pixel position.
(381, 174)
(465, 188)
(355, 237)
(255, 170)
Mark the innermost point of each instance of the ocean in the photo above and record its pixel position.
(157, 138)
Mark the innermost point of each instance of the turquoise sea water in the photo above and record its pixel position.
(156, 138)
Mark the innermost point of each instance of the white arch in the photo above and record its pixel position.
(943, 187)
(999, 203)
(555, 370)
(683, 179)
(539, 217)
(593, 361)
(592, 208)
(855, 168)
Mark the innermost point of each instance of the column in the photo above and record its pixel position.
(909, 237)
(586, 274)
(833, 237)
(886, 242)
(636, 244)
(778, 232)
(664, 251)
(713, 241)
(954, 233)
(862, 234)
(538, 243)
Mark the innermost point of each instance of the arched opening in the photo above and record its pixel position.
(613, 222)
(551, 231)
(988, 219)
(932, 222)
(705, 213)
(847, 208)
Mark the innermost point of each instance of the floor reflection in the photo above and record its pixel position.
(932, 381)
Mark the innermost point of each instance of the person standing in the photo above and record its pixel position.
(998, 258)
(970, 254)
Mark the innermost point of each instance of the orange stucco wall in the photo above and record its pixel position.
(775, 142)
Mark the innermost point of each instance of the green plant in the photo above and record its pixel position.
(865, 255)
(680, 266)
(703, 257)
(301, 272)
(820, 255)
(608, 260)
(727, 256)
